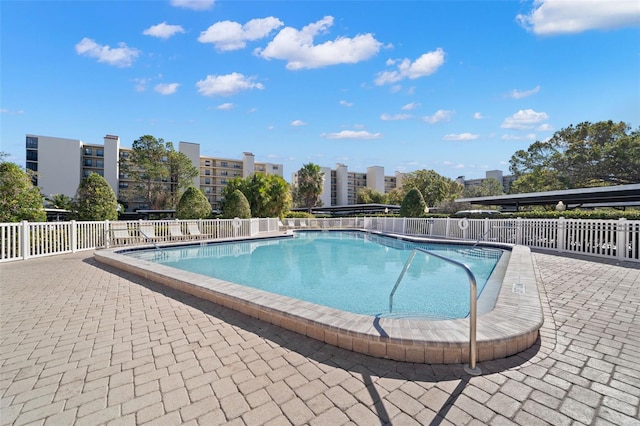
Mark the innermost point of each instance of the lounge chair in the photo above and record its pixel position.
(120, 233)
(194, 231)
(175, 232)
(147, 232)
(291, 223)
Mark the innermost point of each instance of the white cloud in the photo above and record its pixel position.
(345, 103)
(166, 89)
(478, 116)
(226, 85)
(524, 119)
(163, 30)
(529, 136)
(519, 94)
(193, 4)
(225, 106)
(387, 117)
(141, 84)
(122, 56)
(545, 128)
(551, 17)
(229, 35)
(460, 137)
(425, 65)
(297, 48)
(8, 111)
(352, 134)
(297, 123)
(410, 106)
(440, 115)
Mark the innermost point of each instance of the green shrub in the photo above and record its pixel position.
(193, 205)
(236, 205)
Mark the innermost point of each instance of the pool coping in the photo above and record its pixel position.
(510, 327)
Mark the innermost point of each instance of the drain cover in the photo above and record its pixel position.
(518, 288)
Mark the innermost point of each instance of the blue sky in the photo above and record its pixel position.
(453, 86)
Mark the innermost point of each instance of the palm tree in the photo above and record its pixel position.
(309, 187)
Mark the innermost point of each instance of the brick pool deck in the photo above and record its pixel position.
(83, 343)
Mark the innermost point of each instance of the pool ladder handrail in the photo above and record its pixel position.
(149, 239)
(471, 368)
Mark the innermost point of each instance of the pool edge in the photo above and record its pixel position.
(511, 327)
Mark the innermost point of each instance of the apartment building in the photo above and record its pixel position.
(505, 180)
(341, 185)
(62, 163)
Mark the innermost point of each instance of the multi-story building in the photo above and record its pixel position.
(506, 181)
(62, 163)
(341, 186)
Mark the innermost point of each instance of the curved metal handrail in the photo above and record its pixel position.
(471, 369)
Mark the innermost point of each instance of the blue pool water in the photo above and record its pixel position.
(351, 271)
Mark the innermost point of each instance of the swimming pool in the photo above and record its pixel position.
(506, 328)
(347, 270)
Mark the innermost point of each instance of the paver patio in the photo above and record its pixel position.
(82, 343)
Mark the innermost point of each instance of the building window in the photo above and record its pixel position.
(224, 173)
(88, 151)
(224, 164)
(100, 152)
(207, 172)
(32, 155)
(275, 167)
(223, 181)
(207, 181)
(207, 189)
(124, 185)
(88, 162)
(99, 163)
(32, 142)
(207, 163)
(32, 166)
(237, 166)
(87, 173)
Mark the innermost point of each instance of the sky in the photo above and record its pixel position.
(452, 86)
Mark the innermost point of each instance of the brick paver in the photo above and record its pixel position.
(81, 343)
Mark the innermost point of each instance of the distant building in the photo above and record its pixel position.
(341, 186)
(506, 181)
(62, 163)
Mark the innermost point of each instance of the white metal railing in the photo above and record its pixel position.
(614, 239)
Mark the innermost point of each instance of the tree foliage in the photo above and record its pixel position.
(236, 205)
(193, 205)
(587, 155)
(60, 201)
(433, 187)
(487, 188)
(160, 173)
(413, 204)
(268, 195)
(95, 200)
(309, 186)
(368, 195)
(19, 199)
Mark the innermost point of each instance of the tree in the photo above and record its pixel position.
(433, 187)
(487, 188)
(159, 171)
(368, 195)
(310, 184)
(236, 205)
(95, 200)
(395, 196)
(19, 199)
(60, 201)
(193, 205)
(268, 195)
(181, 173)
(413, 204)
(587, 155)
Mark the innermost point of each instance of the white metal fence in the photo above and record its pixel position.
(617, 239)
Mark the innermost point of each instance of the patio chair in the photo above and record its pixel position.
(147, 232)
(120, 233)
(175, 232)
(194, 231)
(291, 223)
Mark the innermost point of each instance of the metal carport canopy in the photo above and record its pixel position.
(620, 195)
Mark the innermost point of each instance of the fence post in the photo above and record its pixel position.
(446, 228)
(106, 234)
(621, 238)
(74, 237)
(519, 224)
(562, 229)
(26, 241)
